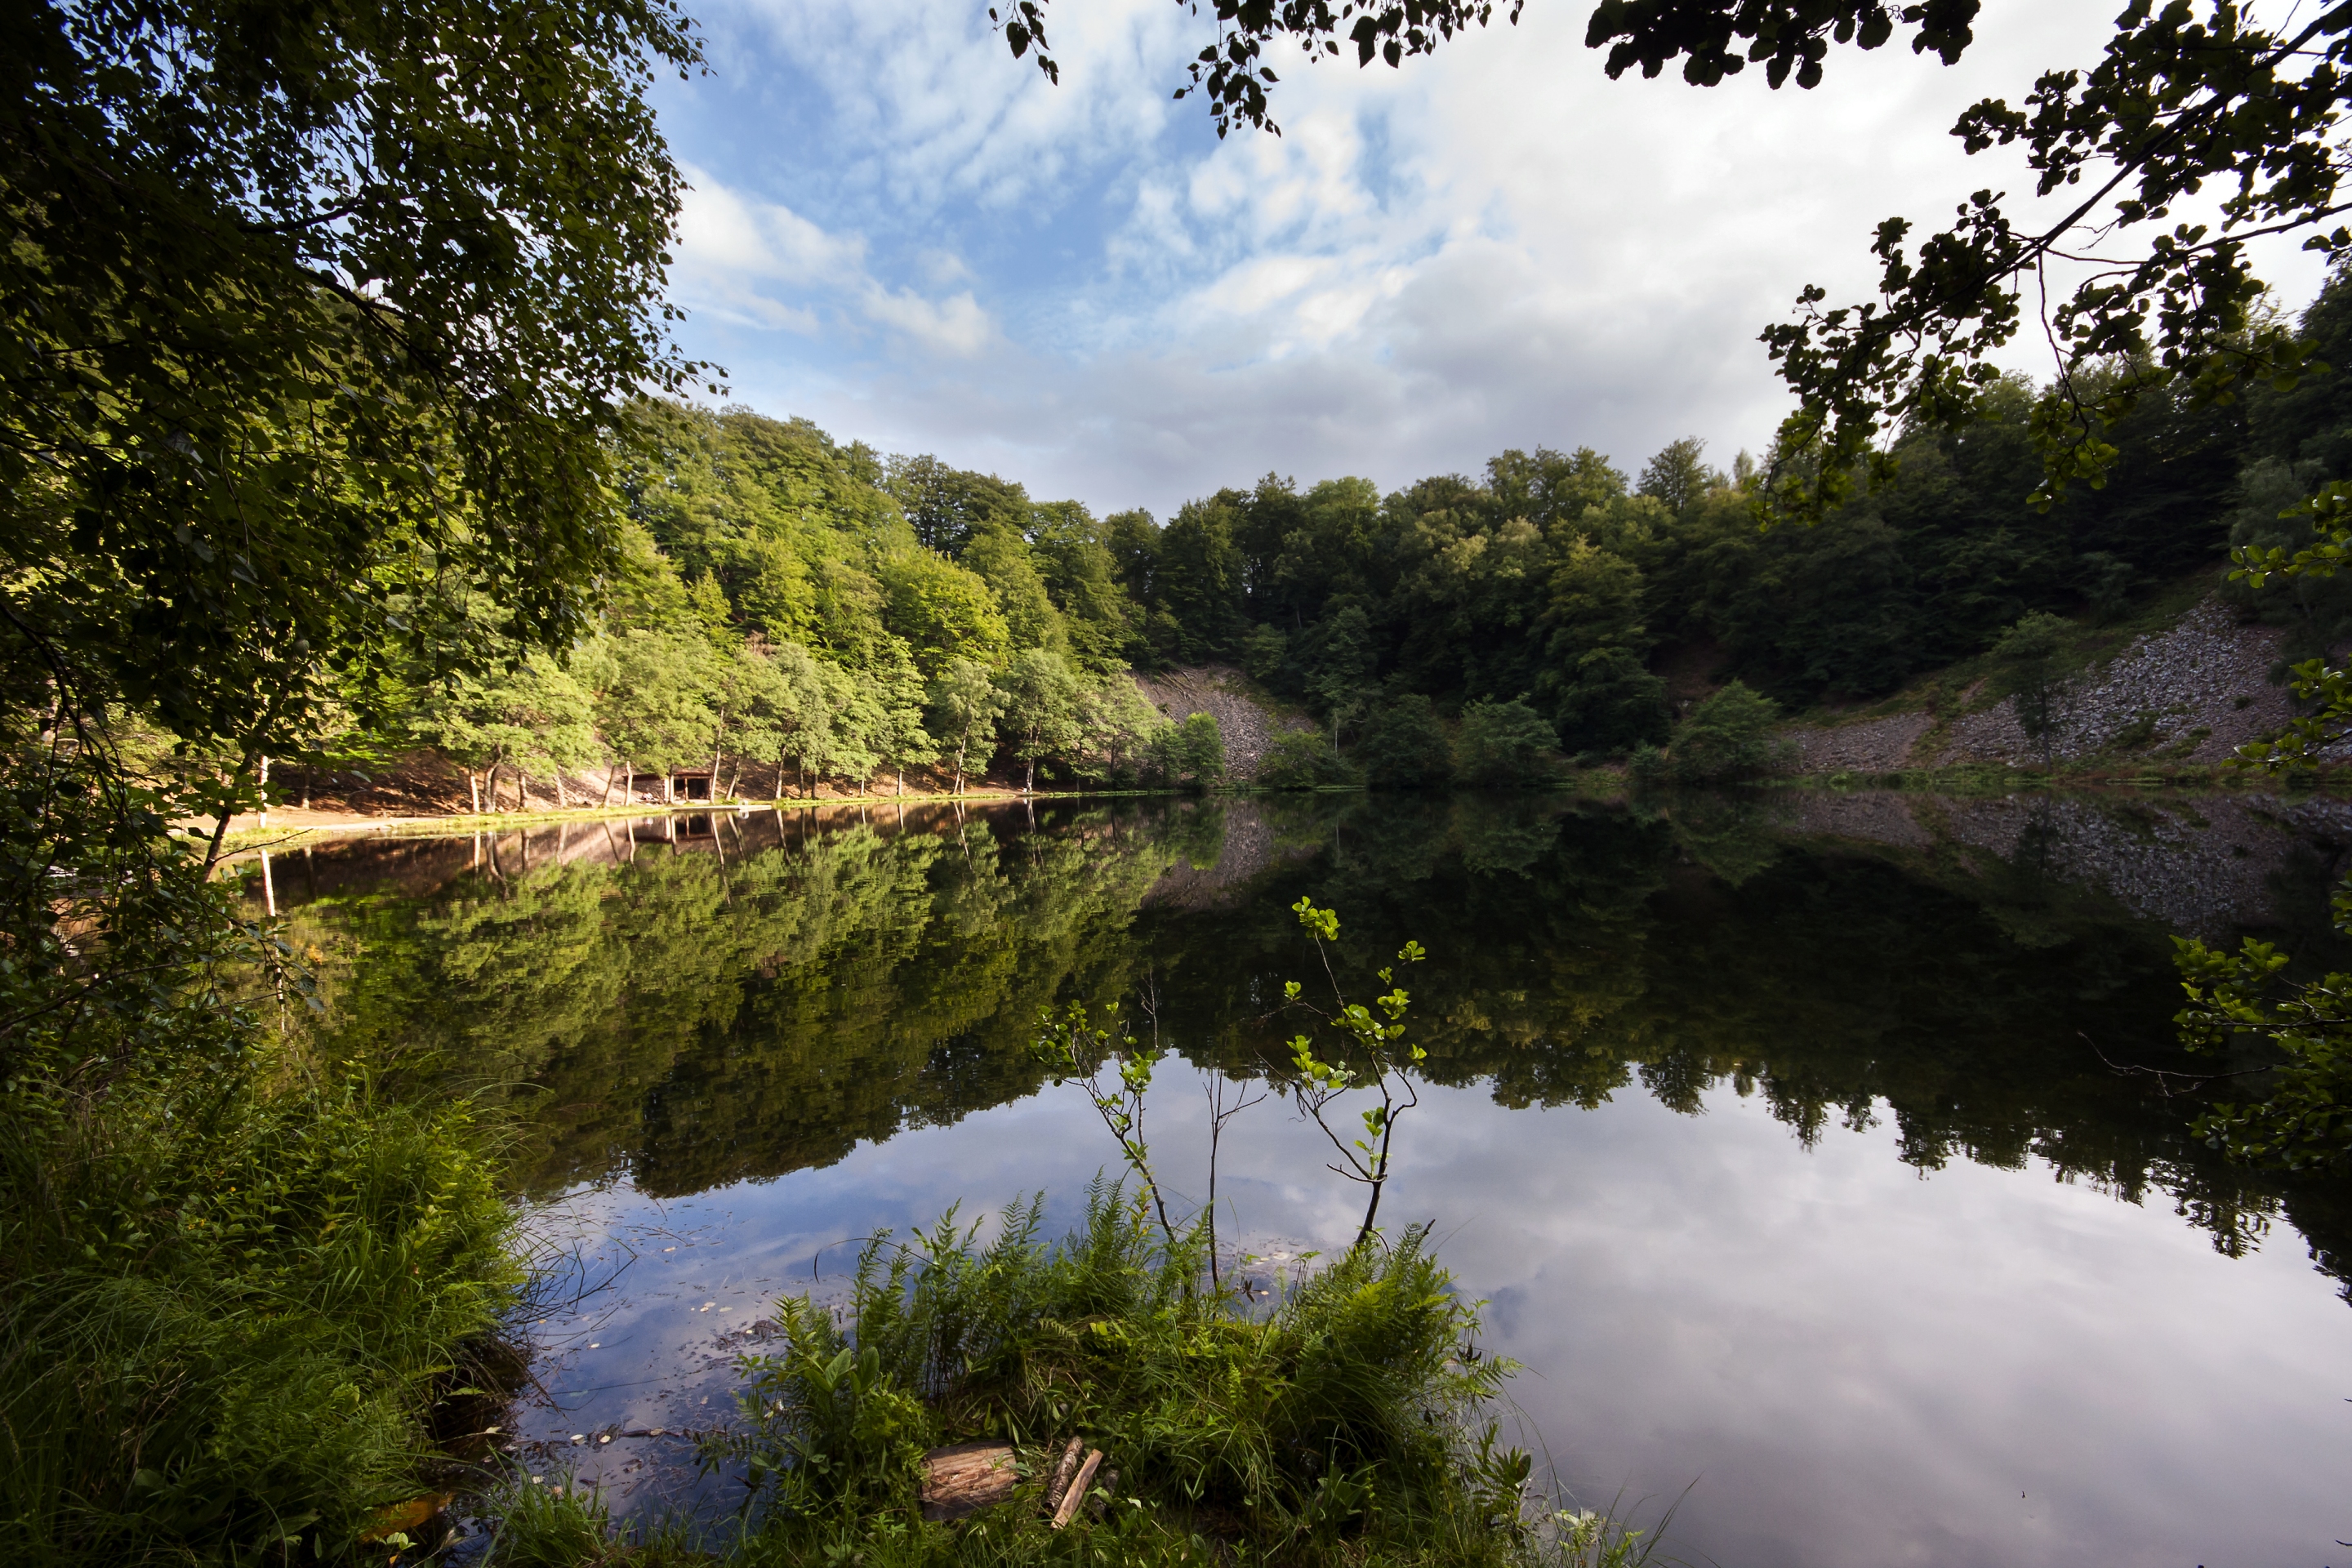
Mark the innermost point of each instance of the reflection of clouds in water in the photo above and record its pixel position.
(1857, 1366)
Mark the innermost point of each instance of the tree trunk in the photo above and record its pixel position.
(1029, 785)
(607, 799)
(261, 788)
(630, 795)
(522, 789)
(474, 782)
(779, 780)
(669, 787)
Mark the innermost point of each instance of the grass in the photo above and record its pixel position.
(229, 1315)
(1349, 1421)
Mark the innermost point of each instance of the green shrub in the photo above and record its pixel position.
(1726, 739)
(1612, 703)
(230, 1292)
(1503, 744)
(1192, 752)
(1403, 744)
(2030, 649)
(1302, 758)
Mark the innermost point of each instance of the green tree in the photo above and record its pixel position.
(1341, 658)
(1118, 731)
(965, 706)
(1726, 739)
(1197, 581)
(862, 728)
(1609, 702)
(947, 506)
(900, 741)
(2030, 649)
(943, 611)
(652, 700)
(303, 331)
(1504, 745)
(535, 716)
(1192, 752)
(1403, 744)
(1302, 758)
(754, 704)
(1678, 475)
(1041, 709)
(1074, 555)
(1002, 560)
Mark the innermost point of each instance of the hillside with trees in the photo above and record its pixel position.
(792, 612)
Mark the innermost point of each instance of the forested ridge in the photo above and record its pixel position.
(795, 609)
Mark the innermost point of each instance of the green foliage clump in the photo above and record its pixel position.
(232, 1283)
(1303, 758)
(2031, 650)
(1504, 744)
(1403, 745)
(1191, 753)
(1346, 1420)
(1724, 740)
(225, 1313)
(2305, 1123)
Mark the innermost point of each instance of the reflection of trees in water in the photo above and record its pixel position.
(762, 1005)
(698, 1019)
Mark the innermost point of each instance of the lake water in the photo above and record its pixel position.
(1780, 1136)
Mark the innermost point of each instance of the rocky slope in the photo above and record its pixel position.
(1248, 725)
(2194, 692)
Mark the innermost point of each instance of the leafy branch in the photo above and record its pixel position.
(2307, 1122)
(1375, 1039)
(1072, 1046)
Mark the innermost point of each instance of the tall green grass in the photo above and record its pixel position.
(225, 1314)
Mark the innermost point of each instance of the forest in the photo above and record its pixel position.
(793, 609)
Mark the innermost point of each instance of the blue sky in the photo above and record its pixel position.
(901, 233)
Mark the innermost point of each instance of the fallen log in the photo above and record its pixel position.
(1062, 1471)
(1078, 1492)
(961, 1480)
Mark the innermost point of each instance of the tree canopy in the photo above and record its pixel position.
(319, 322)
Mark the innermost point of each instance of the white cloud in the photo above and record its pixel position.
(1494, 247)
(956, 325)
(735, 251)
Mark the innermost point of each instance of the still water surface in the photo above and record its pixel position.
(1781, 1137)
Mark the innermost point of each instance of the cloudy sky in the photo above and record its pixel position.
(901, 233)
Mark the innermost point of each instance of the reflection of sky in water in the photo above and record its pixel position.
(1855, 1365)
